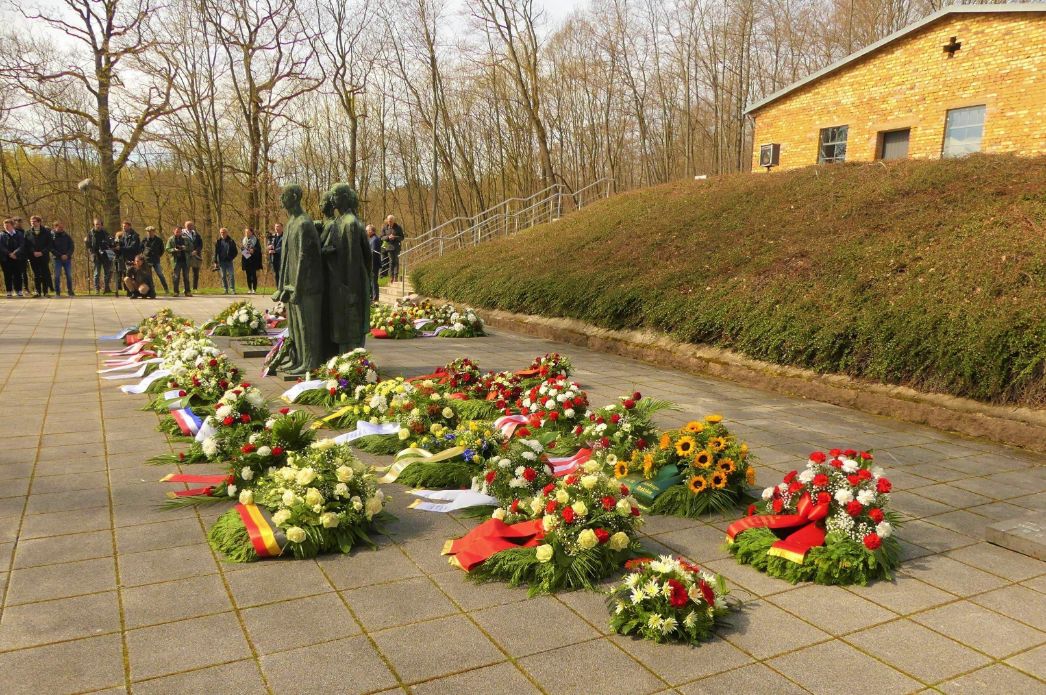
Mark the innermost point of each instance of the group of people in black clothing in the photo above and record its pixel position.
(136, 260)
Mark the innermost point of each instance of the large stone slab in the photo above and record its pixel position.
(1024, 534)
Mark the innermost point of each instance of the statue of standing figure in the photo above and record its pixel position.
(300, 288)
(347, 257)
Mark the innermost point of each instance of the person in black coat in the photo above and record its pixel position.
(100, 244)
(225, 252)
(139, 280)
(62, 247)
(195, 241)
(24, 263)
(251, 259)
(152, 249)
(276, 250)
(130, 246)
(12, 249)
(375, 260)
(38, 242)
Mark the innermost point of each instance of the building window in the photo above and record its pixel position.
(894, 144)
(833, 145)
(963, 130)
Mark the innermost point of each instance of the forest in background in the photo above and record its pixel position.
(432, 109)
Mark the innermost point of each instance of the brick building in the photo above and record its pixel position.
(964, 79)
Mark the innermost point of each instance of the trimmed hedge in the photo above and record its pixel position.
(930, 274)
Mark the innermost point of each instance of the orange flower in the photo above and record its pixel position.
(703, 459)
(694, 426)
(727, 466)
(648, 465)
(750, 475)
(697, 484)
(666, 442)
(717, 443)
(713, 419)
(719, 480)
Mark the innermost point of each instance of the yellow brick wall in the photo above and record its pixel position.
(911, 83)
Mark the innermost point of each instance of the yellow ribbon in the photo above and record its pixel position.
(333, 416)
(413, 455)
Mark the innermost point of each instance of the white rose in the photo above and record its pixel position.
(344, 474)
(580, 508)
(288, 474)
(591, 466)
(281, 517)
(768, 493)
(587, 539)
(373, 506)
(247, 473)
(356, 502)
(264, 451)
(341, 490)
(623, 507)
(448, 413)
(549, 521)
(246, 497)
(313, 497)
(329, 520)
(295, 534)
(544, 553)
(305, 476)
(562, 496)
(231, 490)
(589, 481)
(536, 505)
(498, 514)
(619, 541)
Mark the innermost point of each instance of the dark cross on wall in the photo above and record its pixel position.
(952, 46)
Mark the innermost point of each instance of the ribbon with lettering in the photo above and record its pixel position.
(490, 537)
(443, 501)
(366, 429)
(415, 455)
(266, 537)
(809, 518)
(291, 394)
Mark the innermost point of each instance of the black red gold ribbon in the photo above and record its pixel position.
(490, 537)
(809, 517)
(267, 538)
(209, 480)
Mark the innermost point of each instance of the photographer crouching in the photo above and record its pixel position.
(139, 280)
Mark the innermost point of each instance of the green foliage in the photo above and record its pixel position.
(229, 537)
(839, 561)
(442, 475)
(475, 409)
(381, 444)
(519, 566)
(930, 274)
(679, 501)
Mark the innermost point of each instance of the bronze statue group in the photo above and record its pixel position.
(324, 280)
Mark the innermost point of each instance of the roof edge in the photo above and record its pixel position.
(1005, 8)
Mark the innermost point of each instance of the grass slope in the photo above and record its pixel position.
(930, 274)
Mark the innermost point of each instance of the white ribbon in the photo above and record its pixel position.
(129, 375)
(291, 394)
(144, 384)
(130, 350)
(116, 336)
(452, 500)
(366, 429)
(207, 430)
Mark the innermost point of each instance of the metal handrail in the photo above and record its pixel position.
(500, 220)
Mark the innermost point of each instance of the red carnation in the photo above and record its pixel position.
(246, 384)
(284, 411)
(679, 596)
(629, 404)
(854, 508)
(248, 448)
(823, 498)
(490, 476)
(778, 505)
(818, 457)
(603, 535)
(332, 391)
(876, 514)
(578, 430)
(635, 511)
(751, 510)
(791, 476)
(850, 453)
(551, 507)
(854, 480)
(604, 442)
(579, 401)
(195, 381)
(637, 563)
(523, 432)
(872, 541)
(228, 421)
(608, 503)
(820, 480)
(223, 383)
(529, 474)
(553, 416)
(277, 451)
(213, 362)
(884, 485)
(615, 418)
(637, 396)
(835, 463)
(549, 488)
(835, 452)
(641, 444)
(866, 456)
(624, 490)
(571, 479)
(181, 393)
(568, 515)
(864, 474)
(795, 487)
(514, 507)
(245, 418)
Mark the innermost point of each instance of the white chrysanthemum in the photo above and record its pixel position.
(843, 496)
(568, 413)
(668, 625)
(806, 476)
(884, 529)
(209, 446)
(654, 621)
(637, 595)
(223, 412)
(866, 497)
(850, 466)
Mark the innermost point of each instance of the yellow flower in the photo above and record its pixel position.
(727, 466)
(744, 450)
(694, 426)
(666, 441)
(719, 480)
(697, 484)
(750, 475)
(713, 419)
(621, 469)
(717, 443)
(685, 446)
(648, 465)
(703, 459)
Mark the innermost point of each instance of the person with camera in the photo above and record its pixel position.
(62, 252)
(100, 244)
(38, 241)
(178, 247)
(194, 240)
(225, 253)
(138, 280)
(152, 249)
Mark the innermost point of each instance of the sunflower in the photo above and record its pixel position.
(685, 446)
(719, 480)
(694, 427)
(666, 442)
(744, 450)
(713, 419)
(717, 443)
(697, 484)
(727, 466)
(703, 459)
(750, 475)
(620, 469)
(648, 465)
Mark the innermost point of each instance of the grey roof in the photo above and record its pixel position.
(929, 19)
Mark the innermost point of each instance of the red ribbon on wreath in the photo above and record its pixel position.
(809, 516)
(490, 537)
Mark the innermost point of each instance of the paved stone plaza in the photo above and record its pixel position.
(104, 591)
